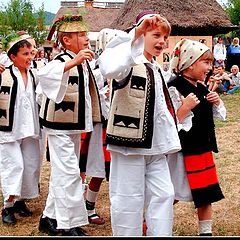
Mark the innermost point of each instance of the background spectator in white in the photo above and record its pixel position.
(219, 53)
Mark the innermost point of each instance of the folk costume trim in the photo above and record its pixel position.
(8, 93)
(130, 121)
(70, 113)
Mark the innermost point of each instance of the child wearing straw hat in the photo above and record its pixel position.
(69, 105)
(196, 108)
(19, 131)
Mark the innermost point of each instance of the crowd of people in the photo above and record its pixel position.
(159, 132)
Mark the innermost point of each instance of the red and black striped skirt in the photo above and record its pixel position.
(202, 178)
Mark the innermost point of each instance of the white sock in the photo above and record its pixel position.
(91, 195)
(205, 226)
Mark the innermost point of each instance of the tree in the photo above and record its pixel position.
(232, 8)
(20, 15)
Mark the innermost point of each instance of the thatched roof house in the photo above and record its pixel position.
(96, 18)
(189, 17)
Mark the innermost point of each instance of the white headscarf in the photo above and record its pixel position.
(185, 53)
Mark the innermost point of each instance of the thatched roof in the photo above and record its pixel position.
(96, 18)
(188, 17)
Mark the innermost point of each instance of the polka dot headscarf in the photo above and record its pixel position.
(185, 53)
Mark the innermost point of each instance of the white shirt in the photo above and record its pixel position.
(26, 120)
(115, 62)
(5, 60)
(53, 82)
(219, 51)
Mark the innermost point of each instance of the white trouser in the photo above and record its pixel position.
(95, 161)
(140, 185)
(20, 168)
(65, 201)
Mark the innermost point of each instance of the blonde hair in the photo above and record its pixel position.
(235, 41)
(234, 66)
(208, 55)
(61, 35)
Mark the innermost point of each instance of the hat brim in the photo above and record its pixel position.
(75, 26)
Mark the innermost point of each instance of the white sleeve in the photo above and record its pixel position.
(53, 80)
(219, 111)
(120, 55)
(186, 125)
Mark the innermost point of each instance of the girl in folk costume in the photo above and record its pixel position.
(195, 109)
(141, 130)
(19, 131)
(70, 104)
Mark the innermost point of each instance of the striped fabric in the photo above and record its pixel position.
(202, 177)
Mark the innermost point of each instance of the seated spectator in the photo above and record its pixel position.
(219, 53)
(235, 77)
(219, 81)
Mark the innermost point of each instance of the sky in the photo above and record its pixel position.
(49, 5)
(53, 5)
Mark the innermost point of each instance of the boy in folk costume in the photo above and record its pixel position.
(19, 131)
(141, 130)
(70, 103)
(195, 108)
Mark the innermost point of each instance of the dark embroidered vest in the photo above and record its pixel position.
(70, 113)
(201, 137)
(130, 121)
(8, 93)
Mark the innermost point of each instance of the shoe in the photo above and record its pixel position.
(77, 231)
(21, 208)
(49, 226)
(8, 216)
(96, 219)
(205, 234)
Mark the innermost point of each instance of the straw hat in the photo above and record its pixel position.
(68, 23)
(12, 39)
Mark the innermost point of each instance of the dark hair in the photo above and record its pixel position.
(15, 48)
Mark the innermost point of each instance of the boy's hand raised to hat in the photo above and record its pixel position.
(83, 55)
(148, 24)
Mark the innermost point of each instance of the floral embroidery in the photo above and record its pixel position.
(177, 52)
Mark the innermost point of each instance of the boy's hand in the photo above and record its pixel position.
(213, 97)
(83, 55)
(148, 24)
(2, 68)
(190, 102)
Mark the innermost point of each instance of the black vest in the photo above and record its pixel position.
(201, 137)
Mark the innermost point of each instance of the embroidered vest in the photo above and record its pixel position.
(8, 93)
(201, 137)
(70, 113)
(130, 121)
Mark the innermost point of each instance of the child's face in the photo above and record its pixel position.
(23, 58)
(200, 69)
(154, 42)
(34, 47)
(77, 42)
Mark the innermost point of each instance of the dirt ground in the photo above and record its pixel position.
(226, 217)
